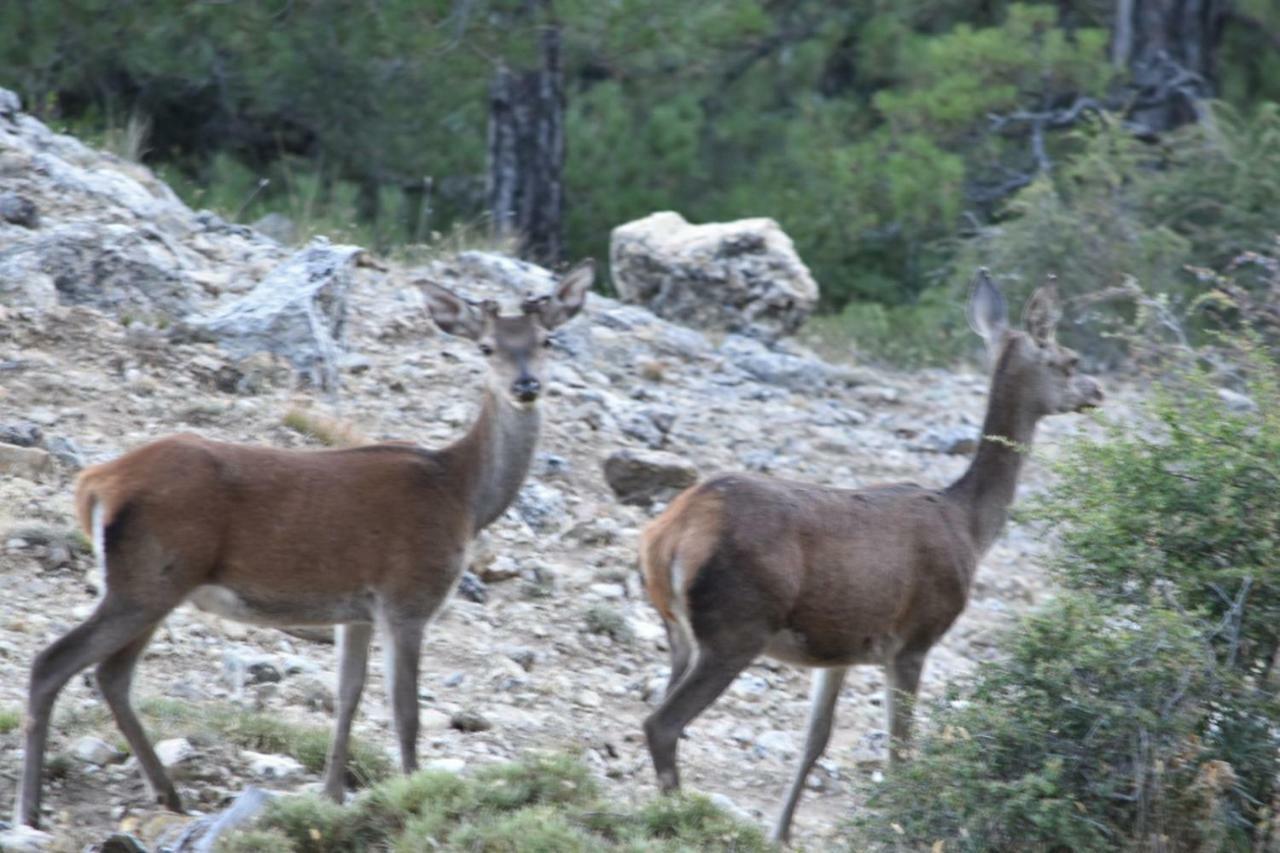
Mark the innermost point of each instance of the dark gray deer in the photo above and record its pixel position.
(743, 565)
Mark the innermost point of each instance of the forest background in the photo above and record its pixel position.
(897, 142)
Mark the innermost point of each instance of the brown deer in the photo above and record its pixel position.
(743, 565)
(352, 537)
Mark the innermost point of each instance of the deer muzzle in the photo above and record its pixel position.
(526, 389)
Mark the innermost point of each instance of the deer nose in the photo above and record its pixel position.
(1090, 393)
(526, 389)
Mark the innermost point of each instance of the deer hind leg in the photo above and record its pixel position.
(403, 646)
(903, 681)
(715, 668)
(115, 625)
(115, 677)
(353, 663)
(826, 690)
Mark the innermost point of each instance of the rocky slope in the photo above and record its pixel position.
(564, 653)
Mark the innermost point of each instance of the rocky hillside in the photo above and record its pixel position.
(114, 307)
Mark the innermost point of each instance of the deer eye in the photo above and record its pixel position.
(486, 349)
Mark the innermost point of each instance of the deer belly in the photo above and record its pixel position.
(271, 611)
(796, 647)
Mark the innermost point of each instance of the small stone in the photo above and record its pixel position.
(446, 765)
(469, 721)
(749, 687)
(587, 698)
(1235, 401)
(20, 434)
(315, 694)
(19, 210)
(92, 750)
(955, 441)
(65, 451)
(26, 462)
(641, 477)
(500, 568)
(729, 807)
(174, 751)
(24, 839)
(297, 664)
(431, 720)
(523, 656)
(776, 742)
(263, 672)
(608, 591)
(266, 766)
(472, 588)
(122, 842)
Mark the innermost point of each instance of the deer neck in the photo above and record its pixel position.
(987, 489)
(493, 458)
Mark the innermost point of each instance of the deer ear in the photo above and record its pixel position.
(453, 314)
(988, 315)
(569, 295)
(1040, 316)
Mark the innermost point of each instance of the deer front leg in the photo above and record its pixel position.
(902, 681)
(403, 648)
(353, 663)
(826, 690)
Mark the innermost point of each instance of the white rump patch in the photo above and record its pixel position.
(98, 533)
(680, 610)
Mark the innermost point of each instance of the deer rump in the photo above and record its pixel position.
(823, 571)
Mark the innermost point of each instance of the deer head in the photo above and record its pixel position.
(1032, 361)
(513, 345)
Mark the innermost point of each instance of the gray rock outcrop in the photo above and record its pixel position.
(81, 226)
(297, 312)
(742, 276)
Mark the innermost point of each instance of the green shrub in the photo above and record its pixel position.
(541, 803)
(10, 719)
(1187, 509)
(1140, 709)
(608, 621)
(1072, 743)
(539, 829)
(537, 780)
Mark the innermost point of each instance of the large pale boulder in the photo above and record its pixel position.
(742, 276)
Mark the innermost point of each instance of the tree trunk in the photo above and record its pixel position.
(526, 153)
(1169, 47)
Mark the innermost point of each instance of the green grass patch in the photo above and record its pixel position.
(261, 733)
(328, 431)
(606, 620)
(541, 804)
(10, 719)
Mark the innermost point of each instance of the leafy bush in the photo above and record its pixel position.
(542, 803)
(1068, 744)
(1140, 710)
(1121, 209)
(1187, 510)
